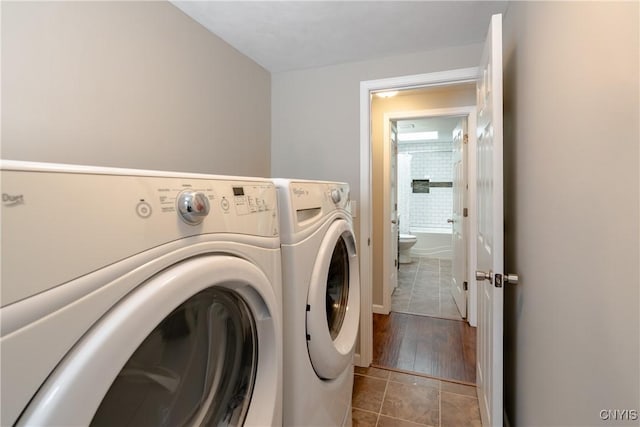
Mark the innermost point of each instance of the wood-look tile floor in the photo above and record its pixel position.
(385, 398)
(439, 348)
(424, 288)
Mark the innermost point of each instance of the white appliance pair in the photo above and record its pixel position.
(150, 298)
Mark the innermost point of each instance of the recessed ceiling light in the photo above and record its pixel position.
(387, 94)
(418, 136)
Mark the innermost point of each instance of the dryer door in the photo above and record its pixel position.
(333, 304)
(194, 345)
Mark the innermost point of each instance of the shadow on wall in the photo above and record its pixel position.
(512, 298)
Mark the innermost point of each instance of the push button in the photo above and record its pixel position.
(143, 209)
(224, 204)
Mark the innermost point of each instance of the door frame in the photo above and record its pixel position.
(367, 88)
(469, 112)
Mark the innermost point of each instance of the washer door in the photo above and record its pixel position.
(333, 304)
(194, 345)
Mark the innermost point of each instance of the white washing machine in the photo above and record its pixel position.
(321, 288)
(139, 298)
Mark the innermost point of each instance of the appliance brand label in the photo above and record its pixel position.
(300, 192)
(10, 200)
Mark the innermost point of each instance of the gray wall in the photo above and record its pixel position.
(129, 84)
(316, 112)
(572, 233)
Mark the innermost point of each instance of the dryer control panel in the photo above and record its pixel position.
(307, 202)
(326, 195)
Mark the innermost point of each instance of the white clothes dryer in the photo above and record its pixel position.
(321, 288)
(139, 298)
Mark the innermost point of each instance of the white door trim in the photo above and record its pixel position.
(470, 113)
(462, 75)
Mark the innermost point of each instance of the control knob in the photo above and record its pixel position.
(193, 206)
(335, 195)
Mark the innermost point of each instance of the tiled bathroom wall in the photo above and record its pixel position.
(430, 160)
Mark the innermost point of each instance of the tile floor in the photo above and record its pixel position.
(384, 398)
(423, 288)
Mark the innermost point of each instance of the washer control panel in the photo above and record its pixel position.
(193, 202)
(123, 212)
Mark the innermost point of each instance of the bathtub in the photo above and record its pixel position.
(432, 243)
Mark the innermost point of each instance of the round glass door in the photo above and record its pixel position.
(197, 367)
(197, 343)
(337, 288)
(334, 302)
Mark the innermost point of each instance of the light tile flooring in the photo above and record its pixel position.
(384, 398)
(424, 288)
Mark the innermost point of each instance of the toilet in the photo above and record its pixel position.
(404, 245)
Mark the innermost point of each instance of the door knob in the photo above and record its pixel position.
(450, 221)
(483, 275)
(511, 278)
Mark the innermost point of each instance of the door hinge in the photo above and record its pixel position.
(465, 138)
(395, 262)
(465, 212)
(465, 286)
(308, 307)
(369, 241)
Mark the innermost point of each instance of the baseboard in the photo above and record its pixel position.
(379, 309)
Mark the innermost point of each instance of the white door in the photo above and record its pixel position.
(490, 234)
(459, 230)
(393, 201)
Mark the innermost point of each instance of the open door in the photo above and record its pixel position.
(393, 201)
(391, 222)
(490, 244)
(459, 225)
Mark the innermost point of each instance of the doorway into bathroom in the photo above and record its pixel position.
(429, 156)
(428, 200)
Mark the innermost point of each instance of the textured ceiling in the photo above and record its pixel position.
(288, 35)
